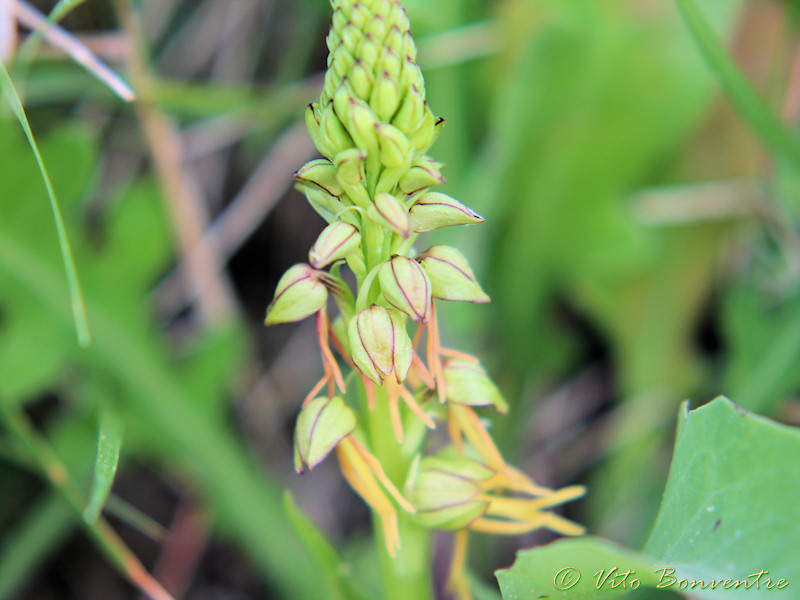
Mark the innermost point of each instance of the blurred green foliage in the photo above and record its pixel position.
(174, 410)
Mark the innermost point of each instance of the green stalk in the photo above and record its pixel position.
(408, 574)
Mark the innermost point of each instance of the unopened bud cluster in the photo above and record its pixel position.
(374, 127)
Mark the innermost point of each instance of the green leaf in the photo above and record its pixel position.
(109, 442)
(75, 292)
(732, 503)
(570, 569)
(325, 557)
(731, 509)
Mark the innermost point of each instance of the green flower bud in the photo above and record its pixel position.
(447, 492)
(360, 15)
(398, 18)
(395, 149)
(411, 77)
(394, 39)
(467, 383)
(423, 175)
(378, 27)
(434, 210)
(426, 133)
(342, 62)
(339, 20)
(357, 117)
(369, 52)
(360, 80)
(321, 425)
(411, 111)
(351, 38)
(349, 166)
(451, 276)
(385, 97)
(313, 124)
(332, 41)
(320, 173)
(380, 344)
(338, 240)
(329, 87)
(406, 287)
(390, 63)
(409, 48)
(334, 134)
(390, 212)
(300, 294)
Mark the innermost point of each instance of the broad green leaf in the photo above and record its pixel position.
(732, 503)
(573, 569)
(731, 509)
(109, 443)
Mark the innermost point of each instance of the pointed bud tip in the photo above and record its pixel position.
(299, 294)
(451, 276)
(321, 425)
(405, 286)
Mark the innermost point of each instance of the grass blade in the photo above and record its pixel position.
(109, 442)
(75, 292)
(739, 90)
(135, 518)
(56, 473)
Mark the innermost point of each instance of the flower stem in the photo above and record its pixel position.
(408, 574)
